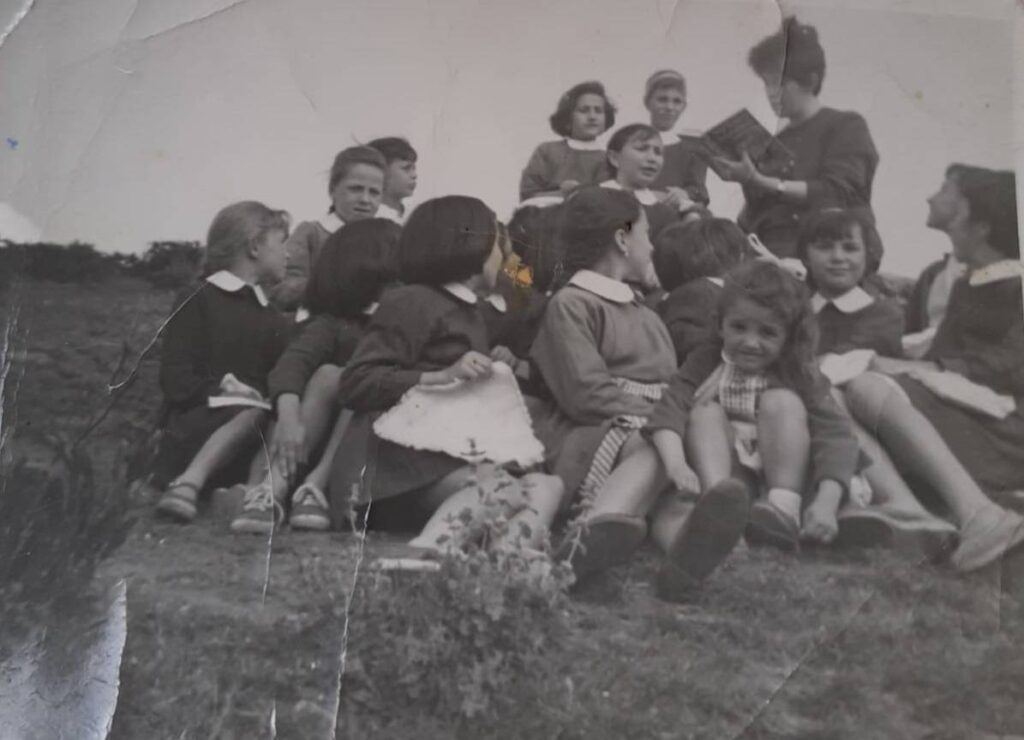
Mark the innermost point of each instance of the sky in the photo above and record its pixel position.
(129, 121)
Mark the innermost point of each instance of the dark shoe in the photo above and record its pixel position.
(710, 533)
(179, 502)
(772, 527)
(877, 526)
(606, 540)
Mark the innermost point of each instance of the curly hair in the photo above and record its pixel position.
(561, 119)
(788, 300)
(835, 224)
(590, 218)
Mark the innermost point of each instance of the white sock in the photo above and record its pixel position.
(786, 501)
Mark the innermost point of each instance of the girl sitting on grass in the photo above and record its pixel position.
(841, 249)
(755, 409)
(556, 168)
(431, 332)
(221, 342)
(355, 264)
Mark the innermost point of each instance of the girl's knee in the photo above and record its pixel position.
(707, 414)
(782, 404)
(868, 394)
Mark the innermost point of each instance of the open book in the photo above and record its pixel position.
(739, 133)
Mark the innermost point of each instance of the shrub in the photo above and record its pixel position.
(169, 264)
(463, 643)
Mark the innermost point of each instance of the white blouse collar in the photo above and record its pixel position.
(603, 286)
(1002, 270)
(585, 146)
(646, 196)
(497, 302)
(331, 222)
(391, 214)
(668, 138)
(462, 292)
(716, 281)
(851, 301)
(229, 282)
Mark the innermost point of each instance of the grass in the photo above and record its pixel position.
(224, 640)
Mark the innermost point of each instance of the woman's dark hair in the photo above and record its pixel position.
(794, 52)
(394, 149)
(706, 248)
(346, 159)
(590, 218)
(355, 264)
(775, 290)
(991, 197)
(620, 138)
(835, 224)
(561, 119)
(446, 240)
(534, 233)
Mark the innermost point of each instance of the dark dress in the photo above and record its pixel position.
(877, 326)
(684, 167)
(213, 332)
(834, 154)
(691, 314)
(416, 329)
(982, 338)
(554, 162)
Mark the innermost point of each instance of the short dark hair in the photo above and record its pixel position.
(394, 149)
(561, 119)
(534, 233)
(346, 159)
(446, 240)
(590, 218)
(836, 223)
(794, 51)
(355, 264)
(621, 137)
(991, 197)
(706, 248)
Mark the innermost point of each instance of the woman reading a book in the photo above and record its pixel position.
(821, 158)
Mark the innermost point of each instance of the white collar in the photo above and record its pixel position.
(716, 281)
(646, 196)
(1002, 270)
(603, 286)
(585, 146)
(851, 301)
(391, 214)
(462, 292)
(371, 309)
(229, 282)
(668, 138)
(497, 302)
(331, 222)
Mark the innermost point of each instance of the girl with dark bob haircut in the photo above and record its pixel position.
(826, 157)
(446, 240)
(355, 264)
(836, 224)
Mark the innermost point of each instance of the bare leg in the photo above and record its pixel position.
(529, 526)
(914, 443)
(709, 444)
(319, 475)
(222, 445)
(783, 439)
(635, 482)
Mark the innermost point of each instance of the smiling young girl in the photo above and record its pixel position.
(757, 406)
(355, 187)
(556, 168)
